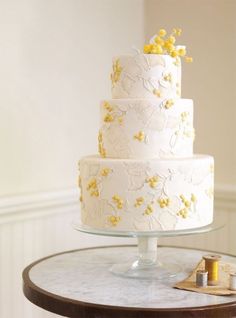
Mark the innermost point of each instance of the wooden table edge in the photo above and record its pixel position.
(79, 309)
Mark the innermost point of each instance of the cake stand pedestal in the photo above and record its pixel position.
(148, 264)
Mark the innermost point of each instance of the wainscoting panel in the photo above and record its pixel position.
(38, 225)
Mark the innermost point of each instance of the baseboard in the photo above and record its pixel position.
(16, 208)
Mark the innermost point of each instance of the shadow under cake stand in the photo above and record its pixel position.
(148, 264)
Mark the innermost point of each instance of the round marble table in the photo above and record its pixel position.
(79, 284)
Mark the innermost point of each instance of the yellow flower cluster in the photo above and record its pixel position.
(114, 220)
(148, 210)
(139, 202)
(157, 92)
(169, 103)
(164, 202)
(107, 106)
(139, 136)
(118, 201)
(183, 213)
(108, 118)
(184, 116)
(79, 181)
(93, 188)
(152, 181)
(117, 69)
(120, 120)
(210, 192)
(165, 44)
(105, 172)
(101, 148)
(168, 77)
(187, 205)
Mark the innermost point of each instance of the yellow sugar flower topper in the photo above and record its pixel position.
(162, 43)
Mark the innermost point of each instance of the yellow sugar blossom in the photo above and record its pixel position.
(108, 118)
(169, 46)
(164, 202)
(114, 220)
(181, 52)
(117, 69)
(162, 32)
(105, 172)
(107, 106)
(79, 181)
(193, 198)
(92, 184)
(100, 136)
(139, 136)
(152, 181)
(169, 103)
(101, 148)
(120, 120)
(92, 188)
(184, 116)
(147, 48)
(148, 210)
(188, 59)
(171, 39)
(94, 193)
(177, 31)
(157, 92)
(118, 201)
(139, 202)
(159, 40)
(174, 53)
(167, 77)
(156, 49)
(183, 213)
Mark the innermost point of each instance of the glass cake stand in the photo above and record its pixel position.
(148, 263)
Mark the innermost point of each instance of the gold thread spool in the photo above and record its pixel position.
(212, 266)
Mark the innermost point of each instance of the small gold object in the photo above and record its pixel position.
(212, 266)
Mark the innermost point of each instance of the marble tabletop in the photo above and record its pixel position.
(84, 276)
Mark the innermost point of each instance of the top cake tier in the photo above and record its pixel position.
(146, 76)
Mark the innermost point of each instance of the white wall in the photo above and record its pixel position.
(55, 62)
(209, 31)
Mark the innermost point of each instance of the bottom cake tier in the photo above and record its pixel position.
(146, 195)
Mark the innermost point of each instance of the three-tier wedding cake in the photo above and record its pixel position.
(146, 177)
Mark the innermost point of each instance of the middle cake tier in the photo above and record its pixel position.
(146, 128)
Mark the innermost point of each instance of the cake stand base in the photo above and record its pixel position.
(147, 265)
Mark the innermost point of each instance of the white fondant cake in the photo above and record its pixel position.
(147, 177)
(142, 195)
(147, 128)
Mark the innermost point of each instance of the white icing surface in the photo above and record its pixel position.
(154, 194)
(84, 276)
(140, 75)
(167, 130)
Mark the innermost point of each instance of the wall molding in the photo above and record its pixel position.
(35, 205)
(225, 197)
